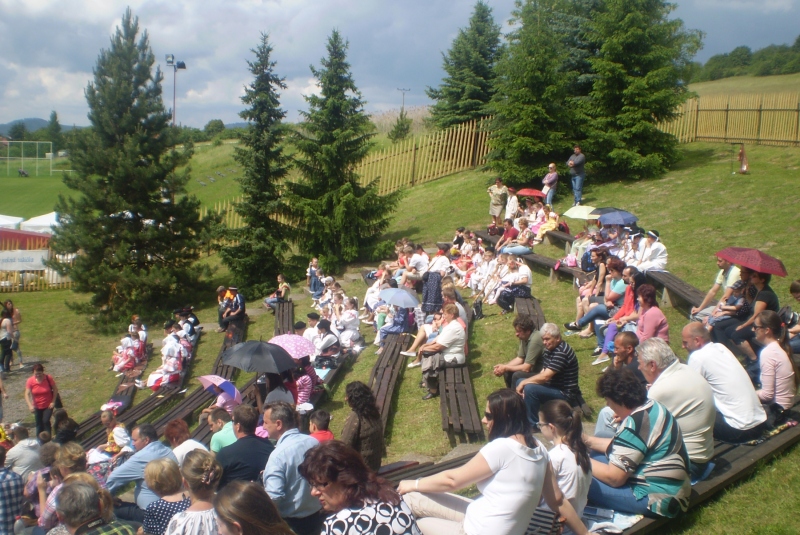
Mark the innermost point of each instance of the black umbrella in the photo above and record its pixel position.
(257, 356)
(605, 210)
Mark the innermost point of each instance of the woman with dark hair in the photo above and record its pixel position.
(602, 307)
(41, 393)
(644, 468)
(65, 427)
(6, 338)
(652, 322)
(363, 428)
(356, 499)
(779, 377)
(512, 473)
(593, 287)
(626, 317)
(741, 334)
(245, 508)
(277, 390)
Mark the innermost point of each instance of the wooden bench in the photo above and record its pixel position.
(556, 237)
(532, 307)
(284, 318)
(386, 372)
(457, 402)
(674, 291)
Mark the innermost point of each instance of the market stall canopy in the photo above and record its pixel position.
(9, 221)
(42, 223)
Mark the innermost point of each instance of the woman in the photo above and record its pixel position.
(246, 509)
(201, 475)
(512, 472)
(652, 321)
(6, 338)
(498, 195)
(550, 224)
(16, 319)
(70, 459)
(644, 468)
(625, 318)
(47, 456)
(66, 428)
(593, 287)
(446, 350)
(163, 477)
(356, 499)
(779, 378)
(277, 390)
(523, 243)
(741, 336)
(550, 184)
(517, 284)
(347, 323)
(601, 308)
(363, 428)
(177, 434)
(41, 392)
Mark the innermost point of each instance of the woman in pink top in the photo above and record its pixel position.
(778, 373)
(652, 322)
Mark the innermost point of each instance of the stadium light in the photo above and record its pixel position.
(176, 65)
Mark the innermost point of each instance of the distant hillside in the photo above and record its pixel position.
(31, 125)
(784, 83)
(236, 125)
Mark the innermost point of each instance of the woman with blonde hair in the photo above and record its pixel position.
(245, 508)
(163, 477)
(201, 475)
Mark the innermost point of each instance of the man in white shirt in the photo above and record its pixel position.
(685, 394)
(739, 414)
(727, 276)
(417, 266)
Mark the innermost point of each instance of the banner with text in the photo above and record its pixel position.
(23, 260)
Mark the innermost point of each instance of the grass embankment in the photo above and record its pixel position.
(784, 83)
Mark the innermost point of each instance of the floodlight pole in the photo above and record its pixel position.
(175, 66)
(404, 91)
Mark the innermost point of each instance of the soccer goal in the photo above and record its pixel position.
(26, 158)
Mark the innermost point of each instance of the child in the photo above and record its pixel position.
(730, 308)
(280, 295)
(569, 457)
(318, 426)
(305, 385)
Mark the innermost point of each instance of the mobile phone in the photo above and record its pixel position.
(46, 476)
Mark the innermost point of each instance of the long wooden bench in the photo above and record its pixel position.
(556, 237)
(386, 372)
(457, 402)
(284, 318)
(674, 291)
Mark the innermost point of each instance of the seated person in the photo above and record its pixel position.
(731, 307)
(426, 335)
(223, 401)
(447, 350)
(779, 378)
(124, 357)
(644, 468)
(523, 243)
(509, 235)
(482, 272)
(326, 341)
(516, 284)
(528, 361)
(318, 424)
(234, 309)
(654, 254)
(417, 265)
(558, 378)
(547, 226)
(625, 344)
(685, 394)
(400, 324)
(172, 356)
(278, 296)
(347, 323)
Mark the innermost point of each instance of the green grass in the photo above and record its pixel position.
(749, 84)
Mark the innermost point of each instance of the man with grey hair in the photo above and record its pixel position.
(685, 394)
(80, 509)
(558, 378)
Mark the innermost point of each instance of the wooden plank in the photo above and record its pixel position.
(472, 405)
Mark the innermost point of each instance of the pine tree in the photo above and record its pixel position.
(134, 232)
(642, 58)
(532, 121)
(257, 250)
(18, 131)
(338, 218)
(465, 92)
(401, 128)
(54, 132)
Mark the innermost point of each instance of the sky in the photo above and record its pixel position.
(48, 48)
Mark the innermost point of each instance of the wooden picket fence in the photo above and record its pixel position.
(28, 281)
(768, 119)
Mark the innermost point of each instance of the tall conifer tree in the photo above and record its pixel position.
(257, 250)
(133, 230)
(54, 132)
(465, 92)
(338, 218)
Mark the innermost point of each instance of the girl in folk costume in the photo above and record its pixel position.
(172, 355)
(124, 357)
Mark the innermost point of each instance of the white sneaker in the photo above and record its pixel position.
(601, 359)
(408, 353)
(365, 322)
(363, 316)
(377, 341)
(414, 364)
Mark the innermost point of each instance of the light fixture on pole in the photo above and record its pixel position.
(175, 66)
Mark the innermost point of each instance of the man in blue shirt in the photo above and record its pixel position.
(148, 448)
(288, 490)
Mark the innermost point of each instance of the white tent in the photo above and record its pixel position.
(9, 221)
(42, 223)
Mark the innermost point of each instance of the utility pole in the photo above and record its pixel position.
(404, 91)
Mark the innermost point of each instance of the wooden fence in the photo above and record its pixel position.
(768, 119)
(31, 280)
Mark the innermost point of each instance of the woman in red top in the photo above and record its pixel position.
(41, 392)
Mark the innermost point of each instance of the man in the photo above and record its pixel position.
(244, 459)
(686, 395)
(528, 361)
(235, 310)
(148, 448)
(558, 378)
(311, 331)
(80, 509)
(577, 172)
(739, 414)
(417, 265)
(23, 458)
(11, 487)
(221, 425)
(290, 492)
(625, 344)
(728, 274)
(509, 234)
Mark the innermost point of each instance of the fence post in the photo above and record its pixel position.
(727, 113)
(797, 123)
(758, 122)
(476, 128)
(414, 163)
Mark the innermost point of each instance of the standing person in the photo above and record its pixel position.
(16, 319)
(550, 184)
(6, 335)
(290, 492)
(314, 279)
(11, 486)
(41, 392)
(201, 475)
(498, 195)
(576, 165)
(363, 428)
(512, 204)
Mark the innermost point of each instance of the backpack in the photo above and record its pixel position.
(477, 309)
(788, 317)
(493, 230)
(586, 262)
(563, 227)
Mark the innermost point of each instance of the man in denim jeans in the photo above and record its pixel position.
(578, 174)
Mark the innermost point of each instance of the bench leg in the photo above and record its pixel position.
(666, 300)
(553, 276)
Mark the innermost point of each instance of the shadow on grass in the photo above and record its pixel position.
(396, 235)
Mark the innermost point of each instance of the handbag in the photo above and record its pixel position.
(546, 190)
(57, 404)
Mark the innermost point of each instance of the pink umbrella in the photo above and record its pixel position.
(297, 346)
(209, 381)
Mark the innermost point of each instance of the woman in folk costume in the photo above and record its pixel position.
(124, 357)
(172, 355)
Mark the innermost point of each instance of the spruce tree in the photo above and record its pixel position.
(134, 233)
(401, 128)
(465, 92)
(256, 251)
(642, 58)
(338, 218)
(54, 132)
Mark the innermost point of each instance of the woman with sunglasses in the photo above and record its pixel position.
(779, 378)
(512, 473)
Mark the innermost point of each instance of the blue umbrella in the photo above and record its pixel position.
(399, 297)
(620, 217)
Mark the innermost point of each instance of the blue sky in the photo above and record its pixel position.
(48, 47)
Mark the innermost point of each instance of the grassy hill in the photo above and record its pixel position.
(749, 84)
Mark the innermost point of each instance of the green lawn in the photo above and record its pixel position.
(784, 83)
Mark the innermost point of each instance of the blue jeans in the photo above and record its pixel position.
(604, 427)
(600, 312)
(617, 498)
(551, 194)
(577, 186)
(271, 302)
(538, 395)
(795, 344)
(516, 250)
